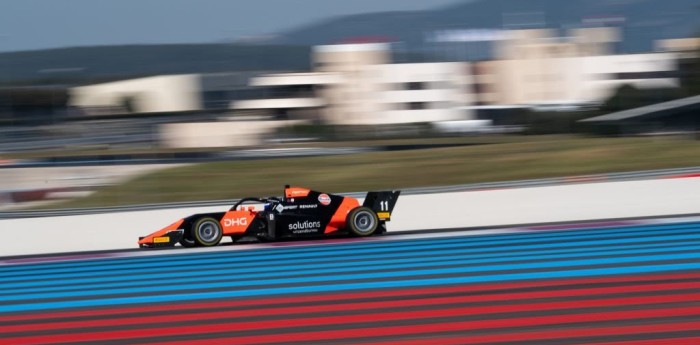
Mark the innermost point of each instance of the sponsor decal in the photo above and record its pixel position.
(164, 239)
(324, 199)
(235, 222)
(305, 225)
(290, 207)
(304, 231)
(299, 193)
(308, 206)
(383, 215)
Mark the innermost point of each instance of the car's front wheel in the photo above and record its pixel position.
(207, 232)
(362, 221)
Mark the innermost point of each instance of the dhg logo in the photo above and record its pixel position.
(235, 222)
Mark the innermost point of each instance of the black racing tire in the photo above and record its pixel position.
(362, 222)
(206, 232)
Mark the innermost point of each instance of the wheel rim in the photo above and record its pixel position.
(364, 222)
(208, 231)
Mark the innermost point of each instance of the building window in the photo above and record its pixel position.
(480, 88)
(415, 86)
(417, 105)
(646, 75)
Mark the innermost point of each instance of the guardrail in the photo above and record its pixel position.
(620, 176)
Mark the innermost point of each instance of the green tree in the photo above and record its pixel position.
(625, 97)
(630, 97)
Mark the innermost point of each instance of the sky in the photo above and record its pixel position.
(39, 24)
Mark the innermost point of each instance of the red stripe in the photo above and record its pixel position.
(512, 297)
(346, 296)
(460, 340)
(392, 316)
(684, 176)
(472, 325)
(674, 341)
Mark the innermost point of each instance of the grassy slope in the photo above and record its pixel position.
(509, 160)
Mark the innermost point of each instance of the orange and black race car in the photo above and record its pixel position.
(300, 212)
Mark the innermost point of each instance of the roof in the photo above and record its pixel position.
(647, 110)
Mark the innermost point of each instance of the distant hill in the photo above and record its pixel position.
(86, 64)
(645, 20)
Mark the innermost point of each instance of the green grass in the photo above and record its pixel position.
(106, 150)
(505, 158)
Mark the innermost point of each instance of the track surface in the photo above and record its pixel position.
(614, 284)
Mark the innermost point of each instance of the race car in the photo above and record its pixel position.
(299, 213)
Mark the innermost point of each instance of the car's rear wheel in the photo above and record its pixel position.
(362, 221)
(207, 232)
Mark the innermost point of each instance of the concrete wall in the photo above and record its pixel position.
(430, 211)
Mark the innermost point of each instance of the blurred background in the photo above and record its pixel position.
(106, 103)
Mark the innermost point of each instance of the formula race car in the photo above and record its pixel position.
(299, 213)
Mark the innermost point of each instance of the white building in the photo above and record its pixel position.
(686, 46)
(357, 84)
(604, 74)
(168, 93)
(165, 93)
(406, 93)
(182, 93)
(290, 95)
(536, 68)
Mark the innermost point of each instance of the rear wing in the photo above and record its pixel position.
(382, 203)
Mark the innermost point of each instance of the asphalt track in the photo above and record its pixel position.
(635, 282)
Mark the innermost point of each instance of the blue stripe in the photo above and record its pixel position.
(27, 269)
(640, 260)
(374, 254)
(309, 252)
(301, 270)
(197, 296)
